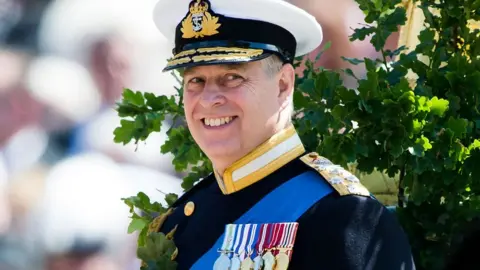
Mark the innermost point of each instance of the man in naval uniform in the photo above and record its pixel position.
(268, 203)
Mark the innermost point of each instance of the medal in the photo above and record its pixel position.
(236, 262)
(247, 262)
(223, 262)
(282, 260)
(268, 261)
(258, 261)
(269, 258)
(285, 246)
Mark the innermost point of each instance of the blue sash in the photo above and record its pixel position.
(286, 203)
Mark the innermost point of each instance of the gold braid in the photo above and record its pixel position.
(155, 226)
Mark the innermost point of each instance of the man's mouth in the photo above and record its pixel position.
(217, 122)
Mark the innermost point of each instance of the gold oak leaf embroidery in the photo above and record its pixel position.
(187, 27)
(210, 26)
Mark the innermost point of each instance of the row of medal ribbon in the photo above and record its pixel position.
(257, 246)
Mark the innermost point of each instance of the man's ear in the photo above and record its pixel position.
(286, 84)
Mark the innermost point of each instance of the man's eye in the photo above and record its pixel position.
(232, 77)
(196, 80)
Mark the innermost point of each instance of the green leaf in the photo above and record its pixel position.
(353, 61)
(339, 112)
(426, 38)
(454, 101)
(350, 73)
(126, 109)
(157, 252)
(368, 88)
(137, 224)
(124, 133)
(473, 80)
(439, 106)
(397, 17)
(140, 121)
(142, 237)
(364, 106)
(156, 103)
(362, 33)
(308, 87)
(326, 47)
(458, 152)
(171, 199)
(300, 100)
(143, 200)
(361, 149)
(135, 98)
(396, 150)
(395, 52)
(452, 78)
(417, 126)
(474, 145)
(421, 145)
(457, 126)
(154, 121)
(346, 95)
(429, 17)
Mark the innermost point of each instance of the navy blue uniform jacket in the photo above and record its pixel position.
(337, 233)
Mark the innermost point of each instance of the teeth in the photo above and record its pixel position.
(215, 122)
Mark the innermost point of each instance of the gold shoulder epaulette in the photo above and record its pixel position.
(344, 182)
(157, 223)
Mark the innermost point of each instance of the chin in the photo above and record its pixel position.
(221, 150)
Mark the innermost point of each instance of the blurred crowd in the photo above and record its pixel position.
(63, 65)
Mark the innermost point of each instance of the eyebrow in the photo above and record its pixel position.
(235, 66)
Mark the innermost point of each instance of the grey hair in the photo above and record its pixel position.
(272, 65)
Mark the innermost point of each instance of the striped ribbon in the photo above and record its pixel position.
(228, 240)
(259, 247)
(245, 238)
(291, 238)
(253, 232)
(237, 238)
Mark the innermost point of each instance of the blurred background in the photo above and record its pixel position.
(63, 65)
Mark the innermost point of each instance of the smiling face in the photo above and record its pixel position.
(231, 109)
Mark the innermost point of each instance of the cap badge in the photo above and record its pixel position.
(199, 22)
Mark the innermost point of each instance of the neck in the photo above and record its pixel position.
(268, 157)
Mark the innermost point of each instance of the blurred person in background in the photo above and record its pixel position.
(46, 95)
(20, 116)
(82, 256)
(81, 221)
(339, 19)
(96, 37)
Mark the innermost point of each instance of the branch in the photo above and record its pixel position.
(401, 190)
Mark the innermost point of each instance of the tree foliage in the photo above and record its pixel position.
(426, 131)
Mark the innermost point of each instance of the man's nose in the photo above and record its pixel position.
(212, 96)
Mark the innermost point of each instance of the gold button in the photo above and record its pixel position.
(189, 208)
